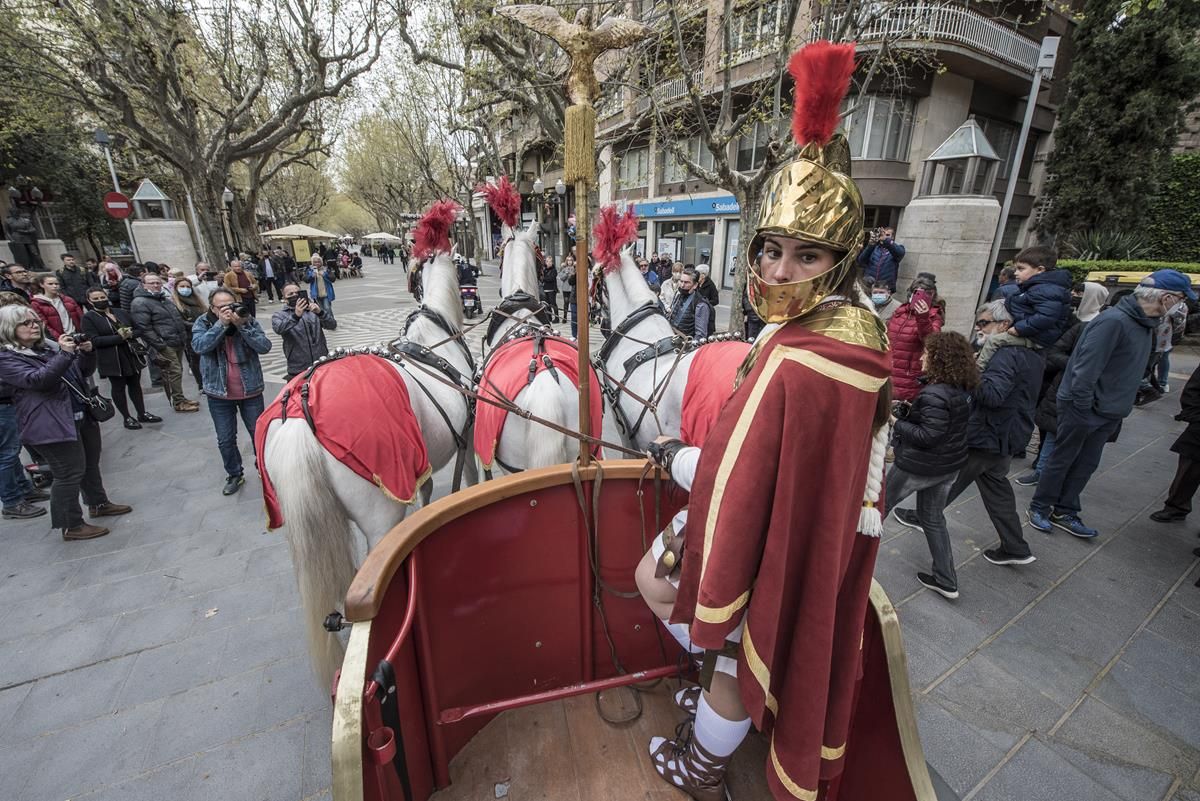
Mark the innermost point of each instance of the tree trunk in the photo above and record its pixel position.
(206, 194)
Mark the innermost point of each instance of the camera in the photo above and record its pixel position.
(900, 409)
(240, 309)
(80, 338)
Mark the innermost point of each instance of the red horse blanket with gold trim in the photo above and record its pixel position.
(507, 373)
(363, 417)
(710, 383)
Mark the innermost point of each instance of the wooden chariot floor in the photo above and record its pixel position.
(564, 751)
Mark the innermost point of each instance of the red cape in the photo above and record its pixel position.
(507, 370)
(363, 417)
(771, 534)
(710, 382)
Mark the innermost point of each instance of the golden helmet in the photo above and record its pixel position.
(812, 198)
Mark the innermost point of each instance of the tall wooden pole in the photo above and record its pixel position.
(582, 308)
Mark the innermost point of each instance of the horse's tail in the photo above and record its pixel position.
(318, 533)
(547, 400)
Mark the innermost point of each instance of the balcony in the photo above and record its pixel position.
(920, 22)
(766, 48)
(676, 88)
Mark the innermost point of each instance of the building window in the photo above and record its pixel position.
(752, 146)
(880, 216)
(880, 127)
(688, 241)
(756, 29)
(674, 171)
(1012, 227)
(633, 171)
(1003, 137)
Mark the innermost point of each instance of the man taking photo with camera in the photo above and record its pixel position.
(229, 341)
(300, 326)
(880, 259)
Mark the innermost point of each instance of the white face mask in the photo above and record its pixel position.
(186, 291)
(879, 298)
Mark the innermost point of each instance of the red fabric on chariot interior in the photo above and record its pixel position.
(363, 417)
(507, 373)
(710, 383)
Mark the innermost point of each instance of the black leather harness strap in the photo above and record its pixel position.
(442, 323)
(517, 301)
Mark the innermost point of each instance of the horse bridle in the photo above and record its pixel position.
(613, 387)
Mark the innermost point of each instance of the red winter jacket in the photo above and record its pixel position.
(49, 315)
(906, 333)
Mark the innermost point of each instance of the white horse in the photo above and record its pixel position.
(652, 401)
(525, 444)
(319, 495)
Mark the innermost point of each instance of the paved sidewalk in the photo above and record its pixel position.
(166, 660)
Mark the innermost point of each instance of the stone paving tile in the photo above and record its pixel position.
(17, 764)
(317, 752)
(62, 701)
(203, 575)
(265, 765)
(103, 568)
(19, 584)
(102, 751)
(10, 701)
(177, 780)
(1128, 782)
(172, 668)
(150, 627)
(966, 752)
(1045, 665)
(982, 685)
(1099, 729)
(55, 651)
(1145, 698)
(1038, 773)
(262, 640)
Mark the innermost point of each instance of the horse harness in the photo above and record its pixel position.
(509, 306)
(612, 387)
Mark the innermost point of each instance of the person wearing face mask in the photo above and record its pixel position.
(111, 331)
(883, 301)
(191, 307)
(907, 328)
(159, 322)
(691, 313)
(1098, 388)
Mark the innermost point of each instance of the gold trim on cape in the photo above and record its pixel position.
(759, 668)
(786, 780)
(708, 614)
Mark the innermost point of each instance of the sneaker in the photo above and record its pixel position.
(35, 495)
(131, 424)
(233, 484)
(930, 583)
(998, 556)
(1029, 479)
(85, 532)
(908, 517)
(109, 509)
(1073, 525)
(23, 511)
(1039, 519)
(149, 418)
(1165, 388)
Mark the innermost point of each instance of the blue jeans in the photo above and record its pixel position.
(1164, 368)
(1078, 445)
(932, 492)
(1047, 449)
(224, 414)
(325, 303)
(14, 481)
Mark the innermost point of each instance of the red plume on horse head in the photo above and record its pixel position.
(504, 199)
(613, 232)
(433, 231)
(821, 72)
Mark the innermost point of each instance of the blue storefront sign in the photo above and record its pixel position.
(696, 207)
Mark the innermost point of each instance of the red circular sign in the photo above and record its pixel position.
(117, 205)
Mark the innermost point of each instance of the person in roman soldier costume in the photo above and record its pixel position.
(769, 572)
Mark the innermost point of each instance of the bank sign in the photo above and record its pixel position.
(698, 207)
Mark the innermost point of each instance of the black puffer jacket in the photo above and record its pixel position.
(932, 440)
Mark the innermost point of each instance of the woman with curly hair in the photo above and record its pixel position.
(931, 437)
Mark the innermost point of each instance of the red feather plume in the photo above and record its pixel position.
(504, 199)
(612, 233)
(433, 231)
(821, 72)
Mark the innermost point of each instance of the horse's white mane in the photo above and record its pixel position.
(520, 264)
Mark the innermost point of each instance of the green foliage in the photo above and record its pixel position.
(1100, 244)
(1131, 81)
(1080, 269)
(1173, 220)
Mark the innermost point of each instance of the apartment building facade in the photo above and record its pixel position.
(977, 60)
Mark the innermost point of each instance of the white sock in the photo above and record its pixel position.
(717, 735)
(683, 635)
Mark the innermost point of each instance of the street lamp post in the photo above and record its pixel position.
(1046, 59)
(101, 138)
(227, 228)
(560, 189)
(539, 190)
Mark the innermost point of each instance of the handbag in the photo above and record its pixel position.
(139, 351)
(97, 407)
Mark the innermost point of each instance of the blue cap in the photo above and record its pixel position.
(1172, 281)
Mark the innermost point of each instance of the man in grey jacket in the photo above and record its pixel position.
(1098, 388)
(157, 320)
(300, 325)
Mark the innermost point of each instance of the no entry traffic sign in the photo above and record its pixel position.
(117, 205)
